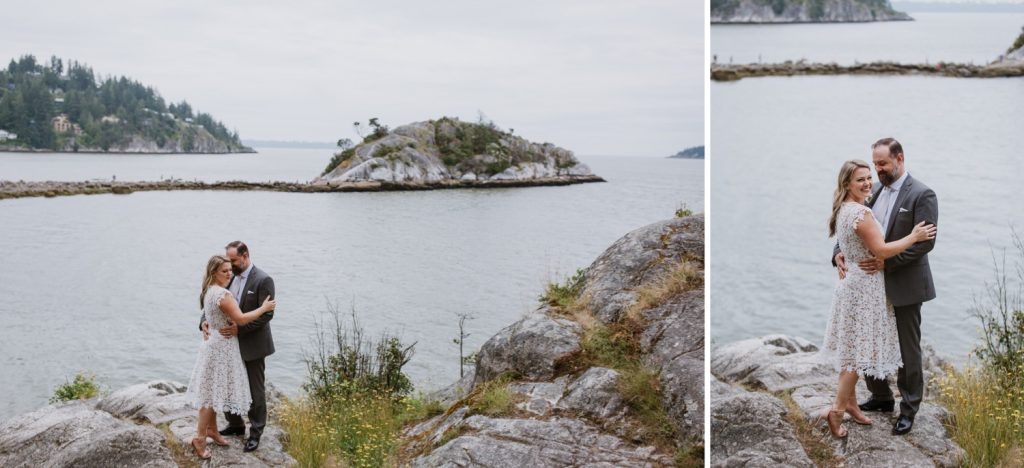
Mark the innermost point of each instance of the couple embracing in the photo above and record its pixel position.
(238, 303)
(883, 237)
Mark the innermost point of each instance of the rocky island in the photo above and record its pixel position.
(767, 394)
(804, 11)
(695, 152)
(448, 150)
(63, 106)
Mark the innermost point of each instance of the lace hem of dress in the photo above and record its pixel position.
(223, 407)
(878, 371)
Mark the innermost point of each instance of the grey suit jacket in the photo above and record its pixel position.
(254, 338)
(908, 277)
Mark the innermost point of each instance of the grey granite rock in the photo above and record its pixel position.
(778, 363)
(529, 348)
(76, 434)
(595, 395)
(749, 429)
(639, 257)
(673, 343)
(538, 443)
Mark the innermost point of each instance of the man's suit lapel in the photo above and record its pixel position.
(251, 280)
(902, 197)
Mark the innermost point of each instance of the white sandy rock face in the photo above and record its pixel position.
(410, 154)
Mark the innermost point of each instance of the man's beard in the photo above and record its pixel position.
(886, 178)
(239, 270)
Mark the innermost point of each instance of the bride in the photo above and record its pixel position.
(861, 334)
(219, 382)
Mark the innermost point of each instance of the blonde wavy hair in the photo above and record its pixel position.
(211, 269)
(842, 189)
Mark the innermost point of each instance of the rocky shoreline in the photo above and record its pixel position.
(766, 397)
(567, 410)
(791, 11)
(21, 189)
(148, 424)
(720, 72)
(25, 149)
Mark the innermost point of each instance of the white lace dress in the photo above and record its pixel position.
(218, 379)
(861, 334)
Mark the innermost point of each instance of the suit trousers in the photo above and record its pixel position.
(258, 410)
(910, 378)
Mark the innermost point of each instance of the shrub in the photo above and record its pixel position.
(1001, 312)
(987, 422)
(338, 159)
(683, 211)
(1017, 44)
(82, 387)
(350, 364)
(560, 295)
(356, 399)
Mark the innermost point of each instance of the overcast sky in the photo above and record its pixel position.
(595, 77)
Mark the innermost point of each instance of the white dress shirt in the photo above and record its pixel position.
(882, 208)
(238, 285)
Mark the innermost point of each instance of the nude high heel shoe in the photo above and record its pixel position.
(835, 423)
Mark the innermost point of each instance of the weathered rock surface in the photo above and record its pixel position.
(791, 11)
(120, 429)
(529, 348)
(749, 429)
(778, 364)
(579, 418)
(674, 345)
(501, 442)
(75, 434)
(438, 150)
(640, 256)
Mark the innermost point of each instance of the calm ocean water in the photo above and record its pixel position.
(932, 37)
(777, 144)
(109, 284)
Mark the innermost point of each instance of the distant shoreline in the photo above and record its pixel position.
(721, 72)
(44, 151)
(50, 189)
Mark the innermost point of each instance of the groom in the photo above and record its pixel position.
(250, 286)
(899, 203)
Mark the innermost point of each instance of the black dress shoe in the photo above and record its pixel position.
(903, 425)
(251, 444)
(874, 405)
(231, 431)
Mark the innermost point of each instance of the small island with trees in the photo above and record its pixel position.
(448, 151)
(694, 152)
(804, 11)
(64, 106)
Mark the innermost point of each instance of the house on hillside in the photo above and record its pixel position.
(61, 124)
(5, 135)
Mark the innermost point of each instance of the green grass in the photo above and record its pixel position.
(565, 295)
(493, 398)
(82, 387)
(357, 430)
(988, 420)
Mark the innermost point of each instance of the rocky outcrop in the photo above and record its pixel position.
(801, 11)
(572, 416)
(448, 149)
(751, 425)
(1014, 56)
(135, 426)
(695, 152)
(720, 72)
